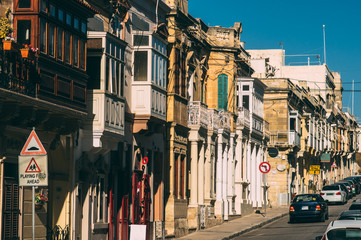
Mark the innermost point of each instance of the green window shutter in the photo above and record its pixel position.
(225, 91)
(220, 92)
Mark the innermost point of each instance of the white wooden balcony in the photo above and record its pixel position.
(197, 114)
(243, 117)
(109, 115)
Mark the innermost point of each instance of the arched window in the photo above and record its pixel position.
(222, 91)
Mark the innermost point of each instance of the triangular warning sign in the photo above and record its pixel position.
(334, 164)
(33, 146)
(32, 167)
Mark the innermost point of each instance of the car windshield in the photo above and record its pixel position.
(349, 218)
(305, 198)
(355, 207)
(344, 234)
(325, 188)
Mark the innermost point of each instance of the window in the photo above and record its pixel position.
(75, 51)
(292, 124)
(51, 40)
(60, 44)
(24, 3)
(60, 15)
(52, 10)
(43, 5)
(82, 54)
(222, 91)
(68, 19)
(140, 40)
(245, 101)
(76, 23)
(42, 35)
(83, 27)
(245, 87)
(100, 200)
(140, 66)
(24, 31)
(67, 48)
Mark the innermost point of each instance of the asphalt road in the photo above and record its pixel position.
(305, 230)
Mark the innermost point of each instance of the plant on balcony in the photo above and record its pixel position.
(40, 200)
(28, 51)
(5, 32)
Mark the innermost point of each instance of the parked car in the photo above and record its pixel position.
(342, 230)
(349, 188)
(355, 182)
(352, 185)
(334, 194)
(308, 206)
(350, 215)
(345, 189)
(356, 205)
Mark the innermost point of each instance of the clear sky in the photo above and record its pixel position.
(298, 25)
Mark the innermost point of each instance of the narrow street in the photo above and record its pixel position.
(305, 230)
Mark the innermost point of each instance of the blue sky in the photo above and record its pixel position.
(298, 25)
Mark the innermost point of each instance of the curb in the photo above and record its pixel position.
(258, 225)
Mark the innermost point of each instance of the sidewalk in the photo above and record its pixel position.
(236, 227)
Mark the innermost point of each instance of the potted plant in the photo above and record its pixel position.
(40, 200)
(5, 32)
(28, 51)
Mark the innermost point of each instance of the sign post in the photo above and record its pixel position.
(33, 168)
(265, 167)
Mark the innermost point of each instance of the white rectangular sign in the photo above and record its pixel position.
(33, 170)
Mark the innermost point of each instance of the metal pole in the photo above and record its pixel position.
(264, 193)
(33, 210)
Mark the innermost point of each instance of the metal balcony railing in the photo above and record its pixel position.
(17, 74)
(243, 117)
(285, 138)
(197, 114)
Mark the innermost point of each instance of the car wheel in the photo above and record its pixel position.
(292, 220)
(322, 219)
(326, 217)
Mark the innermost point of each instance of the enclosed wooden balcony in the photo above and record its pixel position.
(243, 117)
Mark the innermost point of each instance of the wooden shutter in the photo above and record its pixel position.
(11, 210)
(222, 91)
(225, 92)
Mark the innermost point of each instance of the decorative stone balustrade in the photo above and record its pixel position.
(197, 114)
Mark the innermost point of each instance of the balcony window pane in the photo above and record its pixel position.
(140, 66)
(42, 35)
(52, 10)
(83, 27)
(43, 5)
(67, 47)
(68, 19)
(75, 51)
(82, 54)
(246, 102)
(60, 44)
(24, 3)
(76, 23)
(24, 31)
(292, 124)
(51, 40)
(60, 15)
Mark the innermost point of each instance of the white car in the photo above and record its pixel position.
(342, 229)
(333, 194)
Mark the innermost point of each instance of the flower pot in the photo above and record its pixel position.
(27, 53)
(9, 45)
(38, 206)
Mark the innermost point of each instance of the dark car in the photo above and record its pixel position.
(308, 206)
(350, 215)
(356, 182)
(356, 205)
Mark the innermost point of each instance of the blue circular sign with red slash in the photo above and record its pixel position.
(145, 160)
(264, 167)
